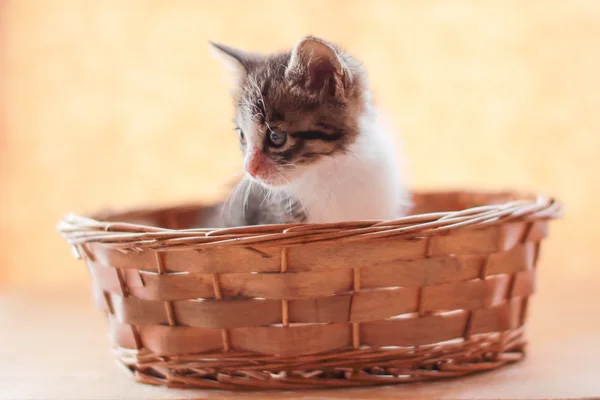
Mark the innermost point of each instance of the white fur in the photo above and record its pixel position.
(365, 183)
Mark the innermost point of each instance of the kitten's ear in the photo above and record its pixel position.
(317, 65)
(238, 62)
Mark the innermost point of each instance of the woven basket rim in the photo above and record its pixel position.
(79, 229)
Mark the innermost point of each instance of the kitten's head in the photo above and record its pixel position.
(295, 109)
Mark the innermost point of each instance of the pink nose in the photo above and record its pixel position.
(253, 163)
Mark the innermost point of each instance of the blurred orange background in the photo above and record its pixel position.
(119, 103)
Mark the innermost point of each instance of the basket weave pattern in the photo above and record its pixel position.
(432, 295)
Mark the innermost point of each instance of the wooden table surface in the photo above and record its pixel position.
(54, 345)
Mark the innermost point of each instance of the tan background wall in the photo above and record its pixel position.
(119, 103)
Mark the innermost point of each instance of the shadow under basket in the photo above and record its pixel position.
(438, 294)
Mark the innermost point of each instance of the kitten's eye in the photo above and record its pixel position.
(241, 135)
(277, 139)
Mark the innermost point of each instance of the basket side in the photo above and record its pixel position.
(323, 314)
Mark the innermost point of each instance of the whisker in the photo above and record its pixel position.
(230, 199)
(247, 198)
(289, 165)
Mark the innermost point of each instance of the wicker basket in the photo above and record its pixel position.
(433, 295)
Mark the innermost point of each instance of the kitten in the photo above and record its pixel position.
(315, 150)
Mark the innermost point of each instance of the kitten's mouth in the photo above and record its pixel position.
(268, 173)
(273, 176)
(271, 180)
